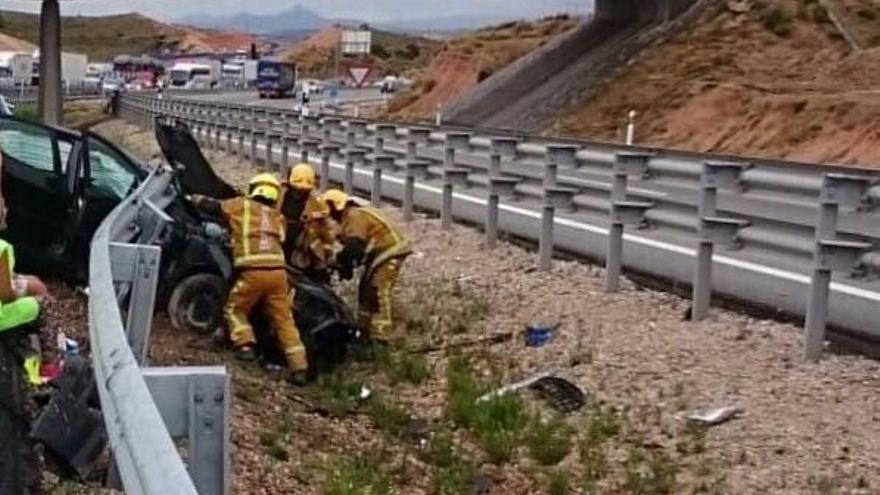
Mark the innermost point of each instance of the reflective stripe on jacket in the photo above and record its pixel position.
(383, 239)
(257, 233)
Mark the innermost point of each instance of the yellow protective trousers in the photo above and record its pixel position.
(375, 298)
(271, 287)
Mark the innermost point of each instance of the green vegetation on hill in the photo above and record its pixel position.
(101, 38)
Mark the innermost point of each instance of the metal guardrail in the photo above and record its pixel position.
(144, 408)
(769, 209)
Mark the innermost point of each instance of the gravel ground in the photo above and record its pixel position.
(805, 428)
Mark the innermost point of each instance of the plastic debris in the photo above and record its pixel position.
(364, 393)
(513, 387)
(715, 416)
(561, 394)
(32, 370)
(538, 335)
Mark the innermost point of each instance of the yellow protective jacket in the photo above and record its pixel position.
(310, 233)
(369, 238)
(255, 230)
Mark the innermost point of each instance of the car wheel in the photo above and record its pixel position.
(196, 304)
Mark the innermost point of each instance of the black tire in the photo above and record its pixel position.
(196, 303)
(20, 469)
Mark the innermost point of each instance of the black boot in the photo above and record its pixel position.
(246, 353)
(298, 378)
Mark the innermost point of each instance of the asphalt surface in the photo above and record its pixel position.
(347, 96)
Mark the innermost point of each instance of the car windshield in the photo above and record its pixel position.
(110, 173)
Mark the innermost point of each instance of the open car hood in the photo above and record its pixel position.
(182, 152)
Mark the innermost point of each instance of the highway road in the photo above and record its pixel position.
(347, 96)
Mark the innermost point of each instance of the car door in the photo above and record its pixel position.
(106, 176)
(37, 189)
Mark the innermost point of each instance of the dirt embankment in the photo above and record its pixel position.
(804, 428)
(774, 80)
(465, 61)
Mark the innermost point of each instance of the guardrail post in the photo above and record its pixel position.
(554, 197)
(451, 177)
(253, 157)
(713, 229)
(380, 163)
(270, 157)
(138, 266)
(498, 187)
(240, 131)
(352, 157)
(354, 128)
(831, 254)
(328, 151)
(194, 403)
(414, 169)
(308, 147)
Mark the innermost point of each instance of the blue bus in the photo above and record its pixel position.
(276, 79)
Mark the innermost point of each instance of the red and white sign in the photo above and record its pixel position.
(359, 75)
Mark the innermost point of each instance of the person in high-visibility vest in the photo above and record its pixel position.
(310, 237)
(19, 298)
(369, 239)
(257, 231)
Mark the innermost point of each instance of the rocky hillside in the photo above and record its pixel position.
(102, 38)
(769, 78)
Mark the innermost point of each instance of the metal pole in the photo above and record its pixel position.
(495, 165)
(411, 150)
(449, 158)
(241, 144)
(348, 181)
(50, 97)
(614, 257)
(285, 153)
(702, 289)
(817, 314)
(253, 149)
(325, 171)
(492, 221)
(409, 197)
(304, 155)
(446, 209)
(270, 160)
(376, 191)
(545, 244)
(379, 145)
(618, 188)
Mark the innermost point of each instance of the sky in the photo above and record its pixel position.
(368, 10)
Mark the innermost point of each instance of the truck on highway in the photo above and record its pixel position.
(73, 68)
(276, 79)
(202, 74)
(15, 67)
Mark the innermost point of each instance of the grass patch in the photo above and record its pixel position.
(357, 475)
(558, 482)
(275, 442)
(441, 307)
(403, 367)
(549, 442)
(453, 472)
(496, 423)
(779, 21)
(336, 393)
(387, 417)
(649, 472)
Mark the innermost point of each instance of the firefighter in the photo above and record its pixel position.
(309, 240)
(368, 239)
(257, 231)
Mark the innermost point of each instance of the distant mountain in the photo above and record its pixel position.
(294, 19)
(447, 24)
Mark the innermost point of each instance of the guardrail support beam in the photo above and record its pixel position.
(194, 404)
(138, 265)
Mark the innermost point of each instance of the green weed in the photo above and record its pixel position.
(558, 482)
(548, 442)
(649, 472)
(388, 418)
(357, 475)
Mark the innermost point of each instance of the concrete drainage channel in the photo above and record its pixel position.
(753, 222)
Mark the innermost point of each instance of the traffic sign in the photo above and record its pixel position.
(359, 75)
